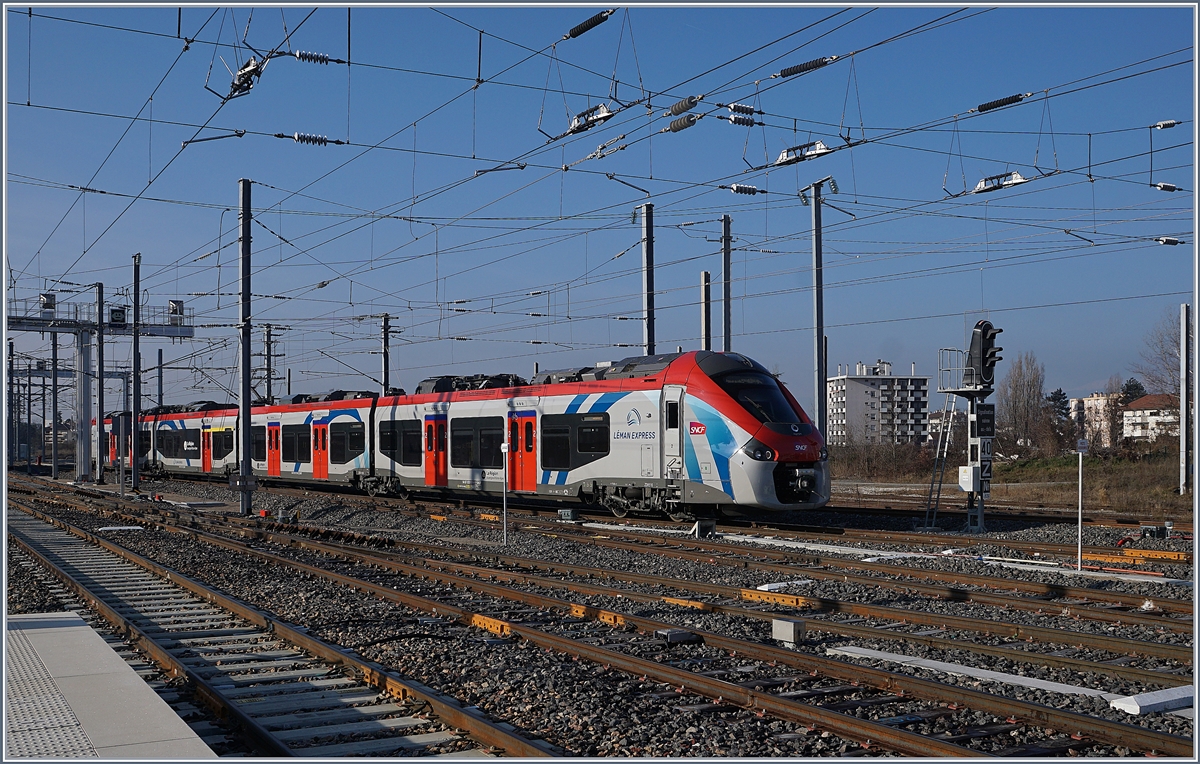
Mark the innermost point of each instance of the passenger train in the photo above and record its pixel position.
(683, 435)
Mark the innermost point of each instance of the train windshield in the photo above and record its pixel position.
(759, 394)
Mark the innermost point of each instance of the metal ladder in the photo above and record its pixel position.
(945, 435)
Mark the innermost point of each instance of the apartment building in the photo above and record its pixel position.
(874, 406)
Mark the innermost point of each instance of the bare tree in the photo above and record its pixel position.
(1159, 367)
(1020, 403)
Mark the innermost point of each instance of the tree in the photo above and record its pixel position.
(1060, 404)
(1131, 391)
(1159, 367)
(1020, 413)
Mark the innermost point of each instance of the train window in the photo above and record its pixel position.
(514, 435)
(672, 415)
(529, 436)
(189, 442)
(167, 444)
(295, 440)
(429, 437)
(143, 442)
(347, 441)
(389, 438)
(410, 444)
(475, 441)
(441, 438)
(462, 444)
(556, 448)
(593, 440)
(759, 394)
(258, 443)
(222, 444)
(489, 447)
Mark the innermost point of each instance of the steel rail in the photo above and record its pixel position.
(171, 665)
(867, 732)
(1059, 636)
(383, 559)
(1099, 729)
(741, 556)
(1182, 654)
(374, 674)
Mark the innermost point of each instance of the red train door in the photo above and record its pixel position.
(206, 450)
(112, 443)
(273, 457)
(435, 450)
(522, 451)
(320, 451)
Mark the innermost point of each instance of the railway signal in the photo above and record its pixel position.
(982, 357)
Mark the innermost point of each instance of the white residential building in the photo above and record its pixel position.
(873, 406)
(1151, 416)
(1093, 414)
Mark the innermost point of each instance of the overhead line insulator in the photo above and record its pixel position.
(1171, 240)
(741, 119)
(807, 66)
(681, 106)
(1000, 102)
(1166, 186)
(590, 24)
(683, 123)
(311, 140)
(1165, 124)
(741, 108)
(742, 188)
(311, 58)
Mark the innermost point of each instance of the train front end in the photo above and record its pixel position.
(774, 456)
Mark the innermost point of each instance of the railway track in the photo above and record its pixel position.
(466, 593)
(290, 694)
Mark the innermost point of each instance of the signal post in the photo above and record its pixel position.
(974, 381)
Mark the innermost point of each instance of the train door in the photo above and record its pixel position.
(435, 450)
(672, 425)
(320, 451)
(206, 450)
(274, 460)
(112, 442)
(522, 451)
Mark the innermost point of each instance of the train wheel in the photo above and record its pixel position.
(618, 511)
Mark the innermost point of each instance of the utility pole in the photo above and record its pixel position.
(100, 439)
(135, 425)
(705, 312)
(245, 472)
(54, 405)
(160, 378)
(29, 418)
(1185, 347)
(820, 376)
(726, 309)
(387, 360)
(12, 422)
(648, 277)
(43, 438)
(268, 342)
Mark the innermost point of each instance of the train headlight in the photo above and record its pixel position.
(824, 453)
(758, 451)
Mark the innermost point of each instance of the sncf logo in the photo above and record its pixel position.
(696, 428)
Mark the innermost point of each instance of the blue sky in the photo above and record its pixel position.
(399, 222)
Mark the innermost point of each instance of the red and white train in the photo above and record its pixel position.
(681, 434)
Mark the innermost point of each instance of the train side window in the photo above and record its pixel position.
(143, 442)
(529, 436)
(489, 447)
(441, 435)
(514, 435)
(258, 443)
(462, 444)
(190, 444)
(556, 448)
(347, 441)
(222, 444)
(410, 444)
(295, 439)
(593, 439)
(429, 437)
(672, 416)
